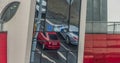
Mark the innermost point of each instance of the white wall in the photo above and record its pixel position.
(19, 31)
(114, 10)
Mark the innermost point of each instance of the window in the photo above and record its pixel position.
(60, 20)
(9, 11)
(53, 37)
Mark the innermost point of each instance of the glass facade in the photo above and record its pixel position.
(55, 38)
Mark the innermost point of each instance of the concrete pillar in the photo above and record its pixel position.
(82, 30)
(20, 29)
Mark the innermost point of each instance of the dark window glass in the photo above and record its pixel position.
(9, 11)
(53, 37)
(76, 33)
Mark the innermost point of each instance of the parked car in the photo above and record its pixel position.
(48, 40)
(57, 28)
(50, 26)
(70, 36)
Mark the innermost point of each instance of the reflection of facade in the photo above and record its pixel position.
(96, 11)
(62, 11)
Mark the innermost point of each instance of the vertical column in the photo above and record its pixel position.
(82, 30)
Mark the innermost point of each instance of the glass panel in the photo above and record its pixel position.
(53, 37)
(74, 12)
(57, 14)
(9, 11)
(57, 37)
(57, 11)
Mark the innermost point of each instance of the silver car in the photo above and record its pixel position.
(70, 35)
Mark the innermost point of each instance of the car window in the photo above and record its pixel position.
(59, 26)
(64, 30)
(76, 33)
(53, 37)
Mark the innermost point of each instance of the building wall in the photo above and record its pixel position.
(113, 10)
(19, 30)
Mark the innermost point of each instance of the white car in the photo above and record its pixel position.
(43, 6)
(70, 36)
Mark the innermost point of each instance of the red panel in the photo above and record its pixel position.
(88, 51)
(88, 59)
(3, 47)
(113, 36)
(118, 43)
(113, 50)
(100, 44)
(99, 36)
(102, 48)
(99, 55)
(88, 37)
(95, 36)
(113, 55)
(112, 43)
(88, 44)
(88, 55)
(98, 51)
(99, 58)
(112, 58)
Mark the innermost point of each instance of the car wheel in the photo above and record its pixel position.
(67, 40)
(43, 46)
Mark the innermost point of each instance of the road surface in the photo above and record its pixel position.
(66, 54)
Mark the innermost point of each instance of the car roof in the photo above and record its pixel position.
(71, 28)
(51, 32)
(43, 2)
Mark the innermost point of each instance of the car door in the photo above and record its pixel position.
(64, 32)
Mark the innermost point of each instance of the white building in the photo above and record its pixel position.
(19, 30)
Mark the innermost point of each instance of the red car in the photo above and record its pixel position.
(48, 40)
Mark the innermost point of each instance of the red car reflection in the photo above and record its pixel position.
(48, 40)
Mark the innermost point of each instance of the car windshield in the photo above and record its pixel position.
(53, 37)
(76, 33)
